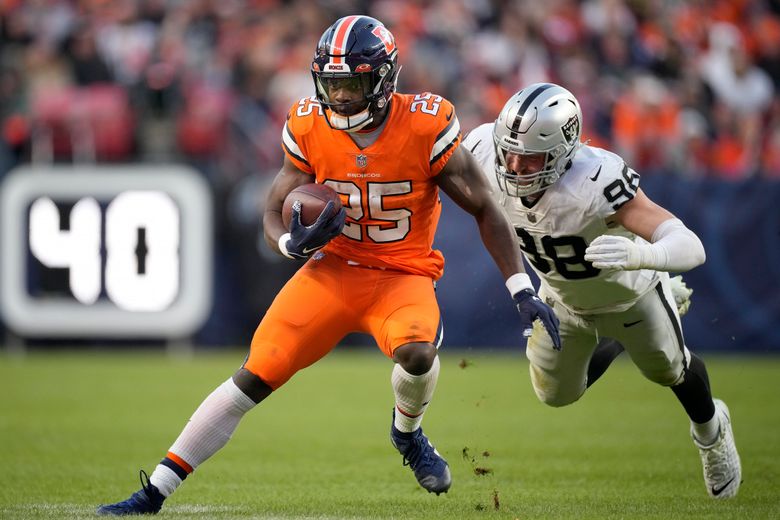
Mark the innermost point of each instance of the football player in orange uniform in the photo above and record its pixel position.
(371, 267)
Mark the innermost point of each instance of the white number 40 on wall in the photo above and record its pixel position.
(141, 246)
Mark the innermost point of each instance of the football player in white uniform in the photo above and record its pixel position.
(602, 250)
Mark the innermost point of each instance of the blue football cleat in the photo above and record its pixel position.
(146, 501)
(430, 469)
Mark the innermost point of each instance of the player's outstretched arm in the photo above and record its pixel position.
(462, 181)
(465, 184)
(673, 247)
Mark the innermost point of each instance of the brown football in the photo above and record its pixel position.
(313, 198)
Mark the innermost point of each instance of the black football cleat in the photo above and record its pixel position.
(146, 501)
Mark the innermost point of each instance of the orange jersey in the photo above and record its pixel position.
(387, 188)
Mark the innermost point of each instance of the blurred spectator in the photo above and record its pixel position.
(766, 31)
(646, 125)
(87, 66)
(88, 124)
(743, 93)
(126, 42)
(202, 123)
(178, 61)
(729, 71)
(771, 159)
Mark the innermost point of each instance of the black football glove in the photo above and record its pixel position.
(305, 240)
(531, 307)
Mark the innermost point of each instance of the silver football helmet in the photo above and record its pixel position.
(542, 118)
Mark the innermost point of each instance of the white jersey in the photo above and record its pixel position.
(554, 232)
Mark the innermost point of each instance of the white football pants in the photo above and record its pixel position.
(650, 332)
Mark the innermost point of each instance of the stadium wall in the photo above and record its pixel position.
(736, 298)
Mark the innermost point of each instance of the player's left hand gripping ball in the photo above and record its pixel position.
(531, 307)
(305, 240)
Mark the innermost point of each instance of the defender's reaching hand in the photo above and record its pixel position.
(531, 307)
(614, 252)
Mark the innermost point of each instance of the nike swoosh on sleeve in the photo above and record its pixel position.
(598, 172)
(631, 324)
(449, 116)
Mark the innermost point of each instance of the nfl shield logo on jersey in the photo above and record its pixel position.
(361, 161)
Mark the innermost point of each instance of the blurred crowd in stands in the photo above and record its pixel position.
(679, 88)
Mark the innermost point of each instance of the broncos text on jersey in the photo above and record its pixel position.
(555, 230)
(387, 188)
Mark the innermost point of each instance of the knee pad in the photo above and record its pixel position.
(668, 376)
(551, 392)
(665, 368)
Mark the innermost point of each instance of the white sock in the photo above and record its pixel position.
(165, 480)
(707, 433)
(412, 395)
(208, 430)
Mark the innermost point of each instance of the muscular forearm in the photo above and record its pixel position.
(500, 241)
(273, 228)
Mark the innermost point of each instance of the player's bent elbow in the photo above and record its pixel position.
(700, 255)
(695, 255)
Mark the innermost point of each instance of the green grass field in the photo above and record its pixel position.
(75, 429)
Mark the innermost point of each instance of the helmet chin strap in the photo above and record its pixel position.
(346, 123)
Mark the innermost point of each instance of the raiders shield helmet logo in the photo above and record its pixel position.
(571, 129)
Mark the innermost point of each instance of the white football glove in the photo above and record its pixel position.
(615, 252)
(682, 294)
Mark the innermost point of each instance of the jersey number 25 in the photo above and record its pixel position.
(398, 219)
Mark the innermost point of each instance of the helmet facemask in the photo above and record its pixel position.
(523, 185)
(370, 90)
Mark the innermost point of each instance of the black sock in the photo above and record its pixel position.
(606, 352)
(694, 392)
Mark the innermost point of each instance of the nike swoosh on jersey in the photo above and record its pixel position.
(449, 116)
(631, 324)
(717, 491)
(598, 172)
